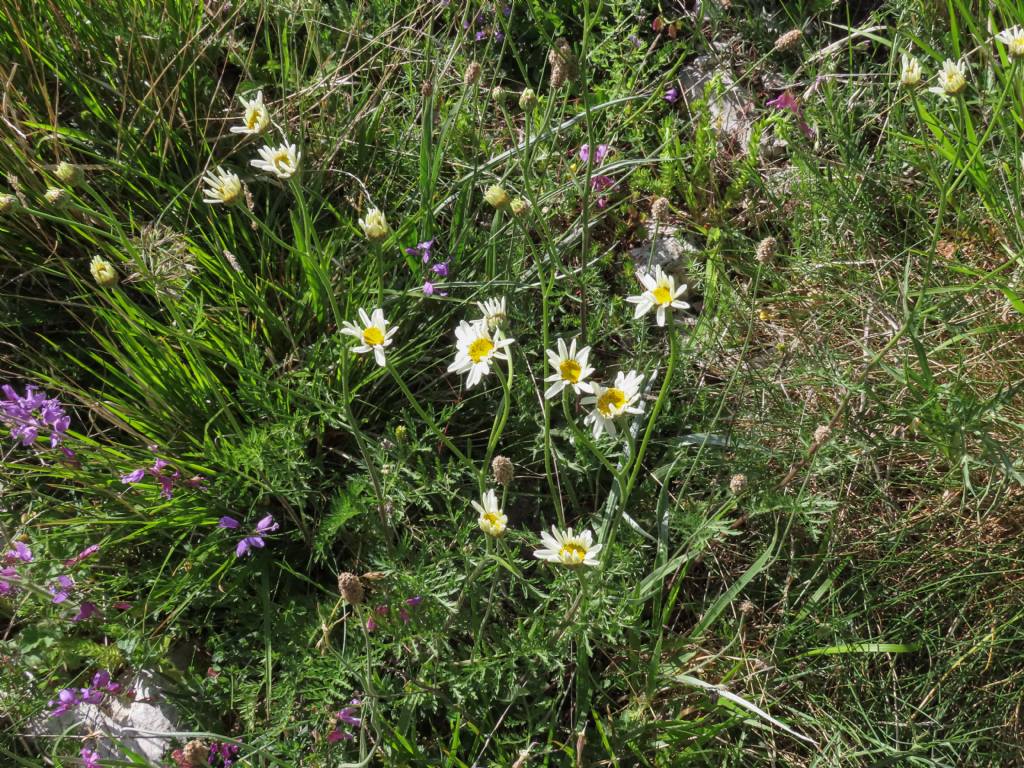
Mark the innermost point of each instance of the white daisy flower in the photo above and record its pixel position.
(281, 161)
(910, 72)
(571, 369)
(1013, 39)
(660, 293)
(493, 311)
(373, 332)
(611, 402)
(222, 187)
(474, 350)
(375, 225)
(492, 520)
(566, 548)
(256, 118)
(951, 79)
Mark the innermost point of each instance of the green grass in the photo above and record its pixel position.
(856, 601)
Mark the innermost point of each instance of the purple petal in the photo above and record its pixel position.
(412, 602)
(101, 679)
(22, 552)
(229, 522)
(85, 611)
(133, 477)
(428, 288)
(267, 525)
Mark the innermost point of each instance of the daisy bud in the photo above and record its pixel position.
(660, 209)
(789, 40)
(503, 469)
(196, 753)
(519, 206)
(496, 196)
(351, 588)
(498, 94)
(765, 250)
(103, 272)
(738, 484)
(69, 174)
(528, 100)
(56, 197)
(9, 204)
(374, 225)
(472, 73)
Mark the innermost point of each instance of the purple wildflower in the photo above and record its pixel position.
(440, 269)
(599, 154)
(66, 700)
(347, 715)
(337, 735)
(85, 611)
(134, 476)
(62, 591)
(601, 183)
(672, 95)
(8, 575)
(267, 525)
(371, 625)
(480, 35)
(90, 759)
(412, 602)
(248, 544)
(230, 523)
(122, 606)
(428, 288)
(86, 553)
(423, 250)
(403, 615)
(787, 102)
(32, 413)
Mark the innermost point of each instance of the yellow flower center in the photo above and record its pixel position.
(252, 117)
(373, 336)
(570, 371)
(572, 553)
(611, 402)
(282, 162)
(492, 520)
(480, 349)
(662, 294)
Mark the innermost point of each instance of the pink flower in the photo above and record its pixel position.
(85, 611)
(371, 625)
(88, 552)
(90, 759)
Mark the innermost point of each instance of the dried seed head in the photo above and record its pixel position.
(196, 753)
(427, 89)
(503, 469)
(9, 204)
(350, 587)
(69, 174)
(56, 197)
(789, 40)
(738, 483)
(232, 260)
(472, 73)
(527, 100)
(822, 433)
(562, 61)
(660, 209)
(765, 250)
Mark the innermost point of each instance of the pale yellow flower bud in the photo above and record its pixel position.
(9, 204)
(69, 174)
(496, 196)
(56, 197)
(519, 206)
(374, 225)
(103, 272)
(527, 100)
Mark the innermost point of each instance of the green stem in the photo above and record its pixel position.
(498, 427)
(427, 417)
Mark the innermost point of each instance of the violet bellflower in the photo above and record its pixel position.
(32, 414)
